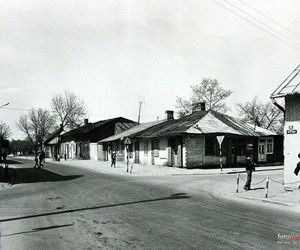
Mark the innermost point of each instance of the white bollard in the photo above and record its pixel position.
(237, 182)
(267, 187)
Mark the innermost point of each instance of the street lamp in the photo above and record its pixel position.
(4, 105)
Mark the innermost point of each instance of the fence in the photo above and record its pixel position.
(267, 183)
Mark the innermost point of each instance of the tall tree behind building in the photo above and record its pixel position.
(68, 109)
(37, 125)
(209, 91)
(264, 115)
(5, 131)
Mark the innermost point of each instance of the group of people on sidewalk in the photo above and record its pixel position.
(39, 158)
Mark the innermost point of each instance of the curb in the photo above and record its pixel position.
(260, 170)
(264, 200)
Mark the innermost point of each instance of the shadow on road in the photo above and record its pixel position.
(172, 197)
(34, 230)
(32, 175)
(10, 161)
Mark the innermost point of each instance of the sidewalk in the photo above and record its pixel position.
(276, 193)
(152, 170)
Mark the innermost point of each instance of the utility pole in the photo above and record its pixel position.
(140, 107)
(141, 101)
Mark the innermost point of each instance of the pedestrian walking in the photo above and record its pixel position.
(41, 158)
(4, 155)
(36, 159)
(250, 166)
(297, 169)
(113, 159)
(130, 162)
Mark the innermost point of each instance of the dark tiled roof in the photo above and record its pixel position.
(132, 132)
(56, 133)
(84, 130)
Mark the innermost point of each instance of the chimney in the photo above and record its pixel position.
(86, 121)
(202, 106)
(198, 106)
(170, 114)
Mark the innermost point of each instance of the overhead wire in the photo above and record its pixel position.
(258, 24)
(268, 18)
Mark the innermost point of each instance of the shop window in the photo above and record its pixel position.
(270, 146)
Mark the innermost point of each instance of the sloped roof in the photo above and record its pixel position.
(204, 122)
(85, 129)
(290, 85)
(173, 127)
(132, 131)
(52, 138)
(262, 131)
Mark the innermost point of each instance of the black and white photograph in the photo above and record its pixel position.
(149, 124)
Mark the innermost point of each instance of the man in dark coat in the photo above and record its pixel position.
(113, 159)
(297, 169)
(41, 158)
(250, 166)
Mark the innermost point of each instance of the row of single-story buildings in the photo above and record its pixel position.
(203, 139)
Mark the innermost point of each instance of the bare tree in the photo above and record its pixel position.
(37, 125)
(5, 131)
(209, 91)
(264, 115)
(68, 108)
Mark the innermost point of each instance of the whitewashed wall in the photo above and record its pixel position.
(291, 151)
(162, 159)
(93, 151)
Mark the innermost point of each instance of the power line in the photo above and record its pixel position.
(256, 19)
(19, 109)
(255, 24)
(270, 19)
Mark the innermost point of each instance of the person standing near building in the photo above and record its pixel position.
(297, 169)
(36, 159)
(41, 158)
(113, 159)
(250, 167)
(4, 155)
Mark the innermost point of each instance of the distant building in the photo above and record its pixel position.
(193, 141)
(289, 91)
(81, 143)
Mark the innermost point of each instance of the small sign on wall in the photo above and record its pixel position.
(291, 130)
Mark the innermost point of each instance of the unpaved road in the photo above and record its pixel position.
(62, 207)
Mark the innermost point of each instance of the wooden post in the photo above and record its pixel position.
(237, 181)
(221, 162)
(267, 187)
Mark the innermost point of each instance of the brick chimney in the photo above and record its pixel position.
(198, 106)
(202, 106)
(86, 121)
(169, 114)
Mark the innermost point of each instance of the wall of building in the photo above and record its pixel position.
(291, 151)
(145, 152)
(292, 107)
(93, 151)
(162, 158)
(195, 150)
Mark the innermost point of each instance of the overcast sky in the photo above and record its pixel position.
(111, 53)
